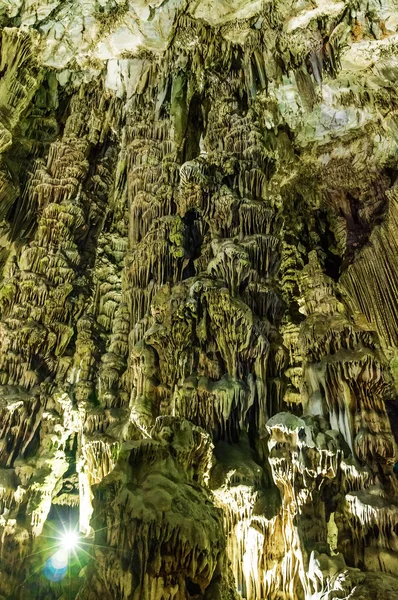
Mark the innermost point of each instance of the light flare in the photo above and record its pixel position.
(69, 540)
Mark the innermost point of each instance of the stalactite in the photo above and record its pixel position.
(374, 297)
(198, 338)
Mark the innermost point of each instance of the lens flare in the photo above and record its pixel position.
(69, 540)
(56, 567)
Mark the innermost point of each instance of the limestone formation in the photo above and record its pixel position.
(198, 300)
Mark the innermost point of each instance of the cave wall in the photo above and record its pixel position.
(198, 299)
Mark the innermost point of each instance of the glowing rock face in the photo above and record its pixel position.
(198, 283)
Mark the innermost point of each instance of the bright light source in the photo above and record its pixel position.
(69, 540)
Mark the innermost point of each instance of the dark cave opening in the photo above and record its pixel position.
(332, 261)
(192, 242)
(192, 588)
(195, 127)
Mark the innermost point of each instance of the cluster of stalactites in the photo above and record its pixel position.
(371, 283)
(173, 510)
(349, 384)
(238, 236)
(39, 302)
(165, 368)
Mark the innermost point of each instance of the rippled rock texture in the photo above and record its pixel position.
(199, 299)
